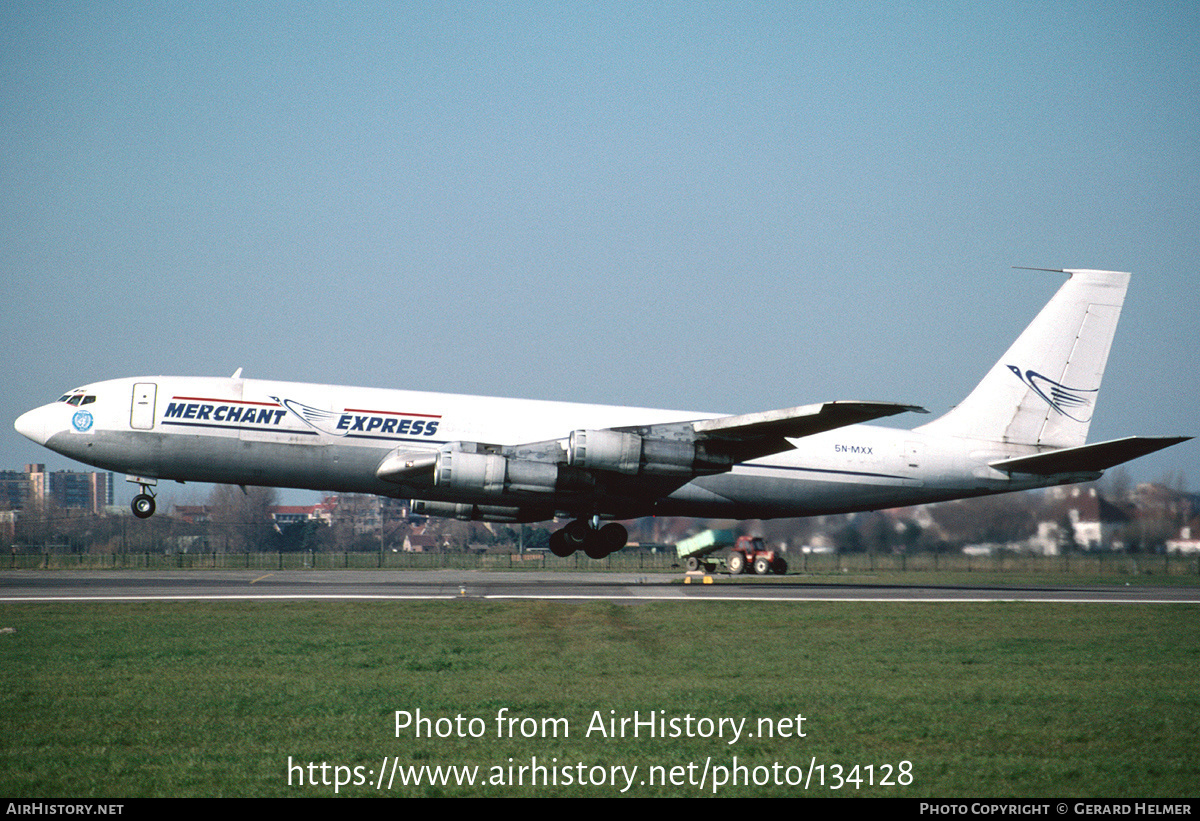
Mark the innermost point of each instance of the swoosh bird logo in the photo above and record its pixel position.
(322, 420)
(1073, 403)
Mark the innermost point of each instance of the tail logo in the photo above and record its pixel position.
(1073, 403)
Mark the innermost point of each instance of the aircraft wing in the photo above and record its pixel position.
(1088, 458)
(795, 423)
(752, 435)
(663, 454)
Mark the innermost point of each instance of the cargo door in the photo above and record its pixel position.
(141, 415)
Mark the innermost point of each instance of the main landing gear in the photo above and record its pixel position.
(596, 541)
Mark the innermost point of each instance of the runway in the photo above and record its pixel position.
(467, 585)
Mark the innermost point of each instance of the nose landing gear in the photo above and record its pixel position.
(143, 505)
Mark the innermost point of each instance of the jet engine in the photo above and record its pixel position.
(631, 453)
(480, 513)
(492, 474)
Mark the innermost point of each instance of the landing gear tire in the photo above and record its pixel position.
(576, 533)
(613, 536)
(559, 545)
(761, 566)
(736, 563)
(596, 543)
(143, 506)
(594, 548)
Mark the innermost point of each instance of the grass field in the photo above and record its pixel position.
(989, 700)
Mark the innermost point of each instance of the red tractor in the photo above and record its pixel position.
(752, 552)
(699, 552)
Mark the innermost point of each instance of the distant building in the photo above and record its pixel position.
(69, 490)
(284, 515)
(281, 515)
(419, 543)
(8, 523)
(22, 489)
(1187, 540)
(82, 491)
(1079, 513)
(192, 514)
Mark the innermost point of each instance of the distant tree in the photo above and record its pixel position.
(1067, 540)
(847, 539)
(910, 535)
(36, 523)
(1175, 481)
(1149, 533)
(1006, 518)
(455, 533)
(242, 518)
(537, 538)
(505, 535)
(1116, 484)
(299, 536)
(351, 528)
(875, 533)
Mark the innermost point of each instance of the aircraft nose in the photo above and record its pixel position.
(32, 425)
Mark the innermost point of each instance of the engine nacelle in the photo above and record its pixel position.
(630, 453)
(605, 450)
(480, 513)
(491, 474)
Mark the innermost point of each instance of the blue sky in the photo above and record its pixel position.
(715, 206)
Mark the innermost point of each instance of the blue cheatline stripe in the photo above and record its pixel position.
(824, 470)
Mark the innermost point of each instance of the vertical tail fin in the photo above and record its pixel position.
(1043, 391)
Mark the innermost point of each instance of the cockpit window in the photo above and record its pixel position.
(87, 400)
(76, 398)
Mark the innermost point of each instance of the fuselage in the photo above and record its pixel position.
(332, 438)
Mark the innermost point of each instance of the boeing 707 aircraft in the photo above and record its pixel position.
(511, 460)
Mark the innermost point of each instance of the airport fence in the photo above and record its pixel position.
(374, 560)
(664, 560)
(1007, 562)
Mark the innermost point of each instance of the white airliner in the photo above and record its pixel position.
(512, 460)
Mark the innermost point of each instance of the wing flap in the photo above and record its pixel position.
(753, 435)
(1088, 458)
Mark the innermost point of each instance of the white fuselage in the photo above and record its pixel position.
(1024, 425)
(330, 438)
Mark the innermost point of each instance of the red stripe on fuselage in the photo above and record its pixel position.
(394, 413)
(224, 401)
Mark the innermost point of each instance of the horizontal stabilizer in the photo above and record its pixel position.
(1088, 458)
